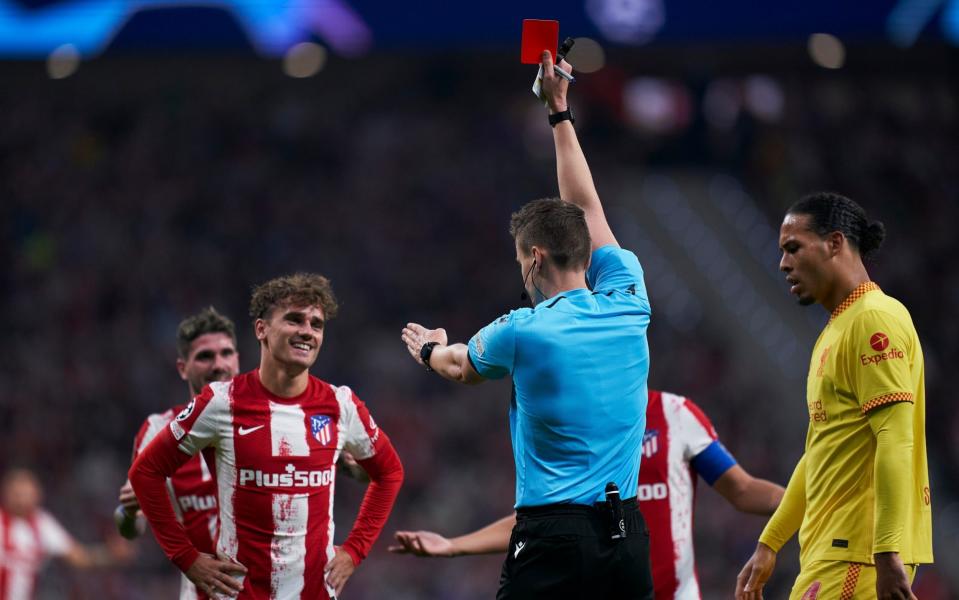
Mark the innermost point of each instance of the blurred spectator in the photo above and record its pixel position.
(31, 535)
(138, 191)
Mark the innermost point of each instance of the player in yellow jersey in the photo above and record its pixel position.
(859, 496)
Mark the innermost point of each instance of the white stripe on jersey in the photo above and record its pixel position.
(288, 430)
(187, 589)
(290, 511)
(227, 543)
(157, 422)
(351, 428)
(288, 548)
(685, 433)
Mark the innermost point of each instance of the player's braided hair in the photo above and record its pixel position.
(831, 212)
(299, 289)
(556, 225)
(206, 321)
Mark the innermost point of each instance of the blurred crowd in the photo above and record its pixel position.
(143, 189)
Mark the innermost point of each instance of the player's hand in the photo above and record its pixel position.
(759, 567)
(216, 577)
(415, 335)
(339, 569)
(554, 86)
(348, 466)
(421, 543)
(128, 499)
(892, 583)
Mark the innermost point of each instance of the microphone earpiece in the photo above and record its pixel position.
(524, 297)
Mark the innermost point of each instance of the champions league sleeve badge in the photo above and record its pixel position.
(187, 411)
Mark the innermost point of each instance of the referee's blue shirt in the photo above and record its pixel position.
(579, 362)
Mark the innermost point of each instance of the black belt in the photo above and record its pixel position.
(567, 508)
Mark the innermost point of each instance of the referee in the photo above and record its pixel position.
(579, 360)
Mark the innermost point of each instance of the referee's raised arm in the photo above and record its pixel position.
(575, 181)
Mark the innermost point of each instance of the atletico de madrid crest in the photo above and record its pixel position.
(321, 427)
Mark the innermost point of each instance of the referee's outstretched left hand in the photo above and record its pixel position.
(415, 335)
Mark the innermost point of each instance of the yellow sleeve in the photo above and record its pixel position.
(892, 426)
(879, 346)
(788, 517)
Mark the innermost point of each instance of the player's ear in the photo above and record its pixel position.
(259, 328)
(537, 257)
(181, 368)
(835, 242)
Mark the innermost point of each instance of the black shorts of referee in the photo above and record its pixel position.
(565, 551)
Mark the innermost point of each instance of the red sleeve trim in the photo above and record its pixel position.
(887, 399)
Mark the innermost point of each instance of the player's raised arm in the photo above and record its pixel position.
(575, 180)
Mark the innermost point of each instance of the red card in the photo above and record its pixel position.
(538, 35)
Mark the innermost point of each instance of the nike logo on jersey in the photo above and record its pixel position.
(519, 546)
(247, 430)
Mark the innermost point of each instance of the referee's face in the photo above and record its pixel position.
(806, 259)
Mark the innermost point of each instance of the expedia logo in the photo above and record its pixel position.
(293, 478)
(879, 341)
(875, 359)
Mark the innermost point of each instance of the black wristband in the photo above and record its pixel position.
(425, 352)
(556, 118)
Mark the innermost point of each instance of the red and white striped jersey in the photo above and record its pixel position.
(192, 491)
(679, 443)
(24, 545)
(275, 470)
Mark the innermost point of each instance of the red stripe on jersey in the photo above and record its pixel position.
(654, 472)
(252, 503)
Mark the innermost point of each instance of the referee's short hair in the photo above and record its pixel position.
(555, 225)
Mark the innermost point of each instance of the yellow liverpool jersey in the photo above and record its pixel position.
(867, 359)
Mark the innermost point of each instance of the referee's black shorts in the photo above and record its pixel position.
(564, 551)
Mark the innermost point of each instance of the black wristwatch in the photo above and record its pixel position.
(566, 115)
(425, 352)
